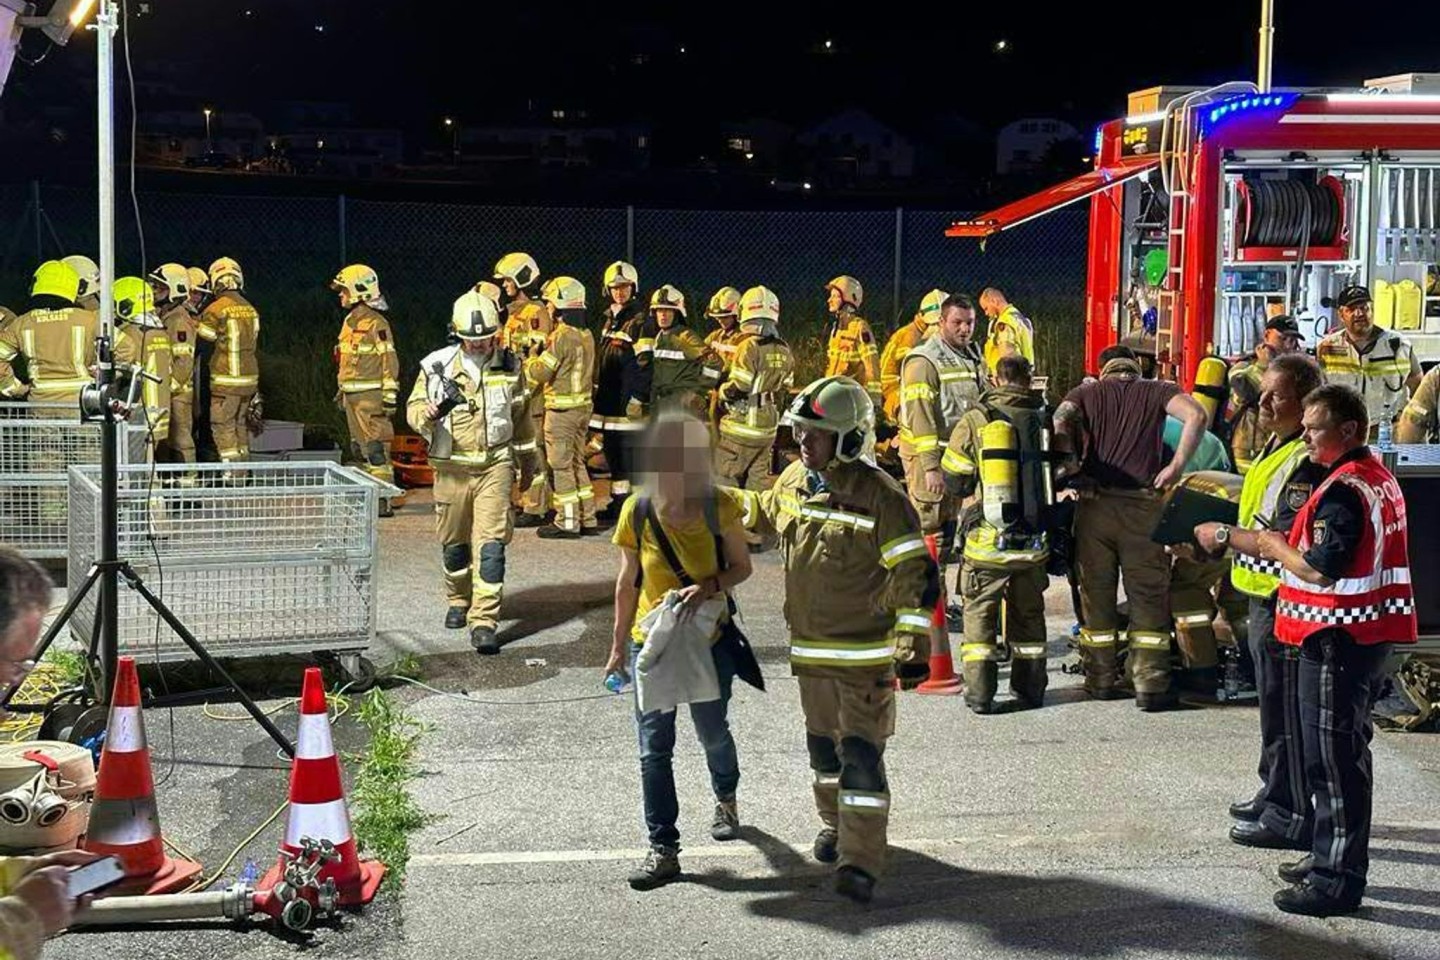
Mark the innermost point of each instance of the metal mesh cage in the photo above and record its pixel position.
(38, 442)
(275, 558)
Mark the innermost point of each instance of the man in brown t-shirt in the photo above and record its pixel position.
(1115, 425)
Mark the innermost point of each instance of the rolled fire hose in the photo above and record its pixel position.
(45, 788)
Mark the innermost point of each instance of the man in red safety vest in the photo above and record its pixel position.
(1344, 599)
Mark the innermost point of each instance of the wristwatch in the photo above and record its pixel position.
(1222, 534)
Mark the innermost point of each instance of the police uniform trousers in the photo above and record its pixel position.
(1195, 585)
(618, 445)
(535, 499)
(227, 423)
(1020, 589)
(1340, 680)
(1284, 798)
(565, 434)
(473, 521)
(371, 432)
(1112, 538)
(846, 725)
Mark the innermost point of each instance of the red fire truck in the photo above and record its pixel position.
(1212, 210)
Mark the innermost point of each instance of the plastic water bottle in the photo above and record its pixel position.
(1231, 676)
(616, 681)
(250, 873)
(1384, 439)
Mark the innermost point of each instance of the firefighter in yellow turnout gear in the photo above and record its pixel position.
(468, 404)
(724, 340)
(368, 374)
(527, 327)
(752, 397)
(898, 347)
(1003, 444)
(55, 338)
(850, 349)
(142, 345)
(233, 326)
(1199, 585)
(683, 369)
(566, 370)
(170, 284)
(859, 588)
(1009, 332)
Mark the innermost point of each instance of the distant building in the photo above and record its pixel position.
(351, 152)
(171, 137)
(854, 144)
(757, 139)
(558, 144)
(1022, 145)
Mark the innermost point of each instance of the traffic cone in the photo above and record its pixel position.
(124, 821)
(317, 804)
(942, 681)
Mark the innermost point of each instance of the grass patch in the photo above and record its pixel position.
(67, 667)
(387, 813)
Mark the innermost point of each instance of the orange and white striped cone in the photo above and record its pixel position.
(317, 804)
(124, 821)
(942, 681)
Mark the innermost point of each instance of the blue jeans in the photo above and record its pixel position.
(657, 747)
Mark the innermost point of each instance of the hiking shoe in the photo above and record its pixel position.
(827, 845)
(854, 884)
(455, 617)
(726, 825)
(484, 641)
(661, 865)
(1310, 902)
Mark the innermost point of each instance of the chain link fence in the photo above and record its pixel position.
(429, 253)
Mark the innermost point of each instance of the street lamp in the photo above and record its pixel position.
(454, 129)
(209, 144)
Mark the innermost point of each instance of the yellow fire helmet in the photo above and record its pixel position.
(850, 290)
(620, 273)
(225, 274)
(519, 267)
(839, 405)
(759, 303)
(89, 273)
(135, 303)
(199, 280)
(725, 303)
(55, 278)
(563, 293)
(487, 288)
(929, 312)
(668, 297)
(474, 316)
(174, 278)
(358, 280)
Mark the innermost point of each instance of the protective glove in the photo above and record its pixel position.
(634, 409)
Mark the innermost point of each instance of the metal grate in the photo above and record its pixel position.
(279, 558)
(38, 443)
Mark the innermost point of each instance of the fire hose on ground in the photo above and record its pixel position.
(295, 901)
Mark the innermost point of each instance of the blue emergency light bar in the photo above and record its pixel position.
(1246, 103)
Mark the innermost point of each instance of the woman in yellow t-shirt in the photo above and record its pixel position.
(676, 457)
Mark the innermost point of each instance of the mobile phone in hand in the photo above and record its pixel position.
(96, 875)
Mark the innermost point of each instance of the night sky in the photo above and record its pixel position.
(411, 60)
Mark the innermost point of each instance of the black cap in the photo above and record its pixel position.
(1353, 294)
(1284, 324)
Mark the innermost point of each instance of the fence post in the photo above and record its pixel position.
(629, 234)
(39, 216)
(343, 259)
(899, 262)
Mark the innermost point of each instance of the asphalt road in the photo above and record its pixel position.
(1080, 830)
